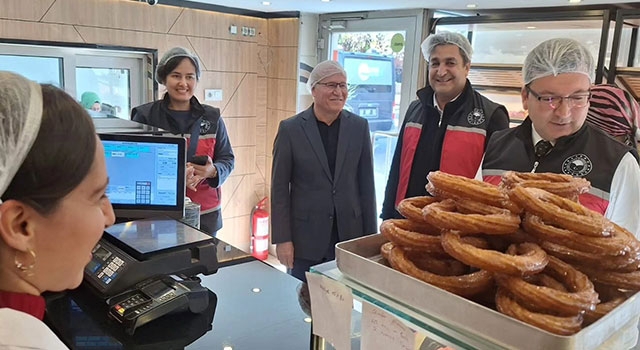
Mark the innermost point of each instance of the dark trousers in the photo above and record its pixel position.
(211, 222)
(300, 266)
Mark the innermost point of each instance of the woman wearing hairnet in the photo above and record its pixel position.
(322, 189)
(616, 112)
(558, 76)
(180, 112)
(53, 206)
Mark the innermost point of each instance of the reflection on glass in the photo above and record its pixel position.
(374, 74)
(384, 144)
(104, 92)
(43, 70)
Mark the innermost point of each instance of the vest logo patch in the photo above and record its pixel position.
(476, 117)
(577, 165)
(205, 125)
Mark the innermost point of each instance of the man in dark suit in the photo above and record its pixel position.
(322, 185)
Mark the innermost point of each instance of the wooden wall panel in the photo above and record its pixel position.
(38, 31)
(245, 160)
(198, 23)
(231, 229)
(158, 41)
(261, 101)
(237, 103)
(265, 59)
(284, 32)
(279, 93)
(116, 14)
(225, 55)
(284, 64)
(242, 131)
(237, 88)
(242, 199)
(24, 10)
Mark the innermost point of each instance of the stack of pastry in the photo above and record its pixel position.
(526, 247)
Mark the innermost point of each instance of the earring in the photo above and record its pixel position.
(27, 269)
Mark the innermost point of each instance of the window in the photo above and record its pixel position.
(107, 82)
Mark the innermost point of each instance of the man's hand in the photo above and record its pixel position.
(284, 252)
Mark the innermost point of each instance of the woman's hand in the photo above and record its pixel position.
(197, 173)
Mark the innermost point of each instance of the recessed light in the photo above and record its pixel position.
(266, 3)
(531, 27)
(256, 290)
(325, 0)
(575, 1)
(471, 6)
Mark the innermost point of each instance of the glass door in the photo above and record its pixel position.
(380, 56)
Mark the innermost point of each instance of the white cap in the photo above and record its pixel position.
(324, 70)
(20, 117)
(557, 56)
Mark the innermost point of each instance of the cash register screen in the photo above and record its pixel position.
(146, 175)
(145, 237)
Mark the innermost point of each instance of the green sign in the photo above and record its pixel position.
(397, 42)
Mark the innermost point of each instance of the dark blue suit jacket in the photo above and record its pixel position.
(304, 195)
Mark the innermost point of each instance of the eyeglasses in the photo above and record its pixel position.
(333, 86)
(574, 101)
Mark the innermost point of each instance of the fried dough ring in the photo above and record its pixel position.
(561, 212)
(580, 296)
(623, 263)
(554, 324)
(562, 185)
(614, 245)
(465, 285)
(532, 260)
(623, 280)
(411, 208)
(490, 220)
(411, 234)
(447, 186)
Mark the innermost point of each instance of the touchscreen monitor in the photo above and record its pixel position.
(146, 175)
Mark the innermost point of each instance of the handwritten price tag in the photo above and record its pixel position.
(381, 330)
(331, 304)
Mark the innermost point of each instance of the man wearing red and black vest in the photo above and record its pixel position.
(446, 128)
(554, 137)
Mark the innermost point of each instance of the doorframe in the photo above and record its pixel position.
(413, 22)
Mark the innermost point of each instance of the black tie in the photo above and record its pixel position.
(542, 148)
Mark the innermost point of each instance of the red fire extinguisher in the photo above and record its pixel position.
(260, 230)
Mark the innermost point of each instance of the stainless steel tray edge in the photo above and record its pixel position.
(356, 260)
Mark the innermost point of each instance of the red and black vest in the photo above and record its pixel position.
(588, 153)
(157, 114)
(453, 143)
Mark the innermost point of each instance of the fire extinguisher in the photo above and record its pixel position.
(260, 230)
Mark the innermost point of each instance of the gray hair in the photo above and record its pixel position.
(557, 56)
(324, 70)
(447, 38)
(165, 65)
(20, 117)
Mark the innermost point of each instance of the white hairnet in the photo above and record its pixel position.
(173, 53)
(447, 38)
(324, 70)
(20, 116)
(557, 56)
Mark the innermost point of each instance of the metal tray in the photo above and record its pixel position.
(359, 260)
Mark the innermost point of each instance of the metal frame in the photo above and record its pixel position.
(552, 14)
(617, 36)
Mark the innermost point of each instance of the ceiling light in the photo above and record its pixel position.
(325, 0)
(531, 27)
(266, 3)
(256, 290)
(471, 6)
(575, 1)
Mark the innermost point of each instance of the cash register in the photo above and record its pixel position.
(146, 265)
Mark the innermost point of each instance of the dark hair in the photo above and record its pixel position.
(60, 157)
(165, 70)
